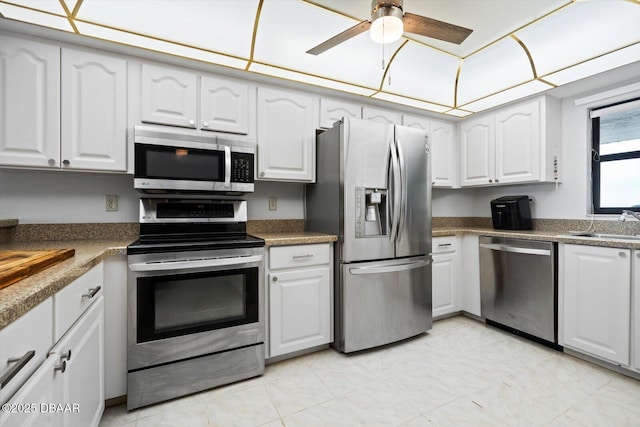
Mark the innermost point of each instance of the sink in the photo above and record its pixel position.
(605, 236)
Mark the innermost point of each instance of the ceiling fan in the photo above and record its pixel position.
(388, 23)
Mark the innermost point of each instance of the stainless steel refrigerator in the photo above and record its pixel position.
(373, 189)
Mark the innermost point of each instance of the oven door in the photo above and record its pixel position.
(189, 304)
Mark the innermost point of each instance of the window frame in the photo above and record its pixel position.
(597, 159)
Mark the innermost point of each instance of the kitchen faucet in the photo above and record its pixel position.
(622, 218)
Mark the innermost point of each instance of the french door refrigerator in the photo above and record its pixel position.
(373, 190)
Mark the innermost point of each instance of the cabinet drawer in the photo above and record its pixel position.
(444, 244)
(73, 300)
(27, 339)
(298, 256)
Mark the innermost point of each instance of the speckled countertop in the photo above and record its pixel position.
(20, 297)
(553, 236)
(295, 238)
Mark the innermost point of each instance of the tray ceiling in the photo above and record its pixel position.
(517, 48)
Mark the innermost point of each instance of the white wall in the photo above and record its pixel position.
(43, 197)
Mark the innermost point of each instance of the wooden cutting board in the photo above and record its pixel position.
(18, 265)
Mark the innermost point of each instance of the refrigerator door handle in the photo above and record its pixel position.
(390, 268)
(403, 188)
(395, 214)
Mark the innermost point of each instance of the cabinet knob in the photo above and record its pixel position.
(274, 279)
(66, 162)
(52, 162)
(192, 122)
(490, 180)
(61, 367)
(205, 124)
(496, 180)
(261, 173)
(622, 254)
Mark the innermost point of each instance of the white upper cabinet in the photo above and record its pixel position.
(382, 116)
(332, 111)
(444, 162)
(224, 105)
(169, 96)
(517, 144)
(29, 103)
(180, 97)
(94, 111)
(477, 150)
(416, 122)
(286, 136)
(444, 158)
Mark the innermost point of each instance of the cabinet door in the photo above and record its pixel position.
(332, 111)
(29, 103)
(224, 105)
(286, 136)
(416, 122)
(94, 111)
(299, 310)
(82, 382)
(25, 340)
(382, 116)
(477, 146)
(444, 171)
(169, 96)
(636, 309)
(36, 394)
(596, 301)
(444, 284)
(518, 142)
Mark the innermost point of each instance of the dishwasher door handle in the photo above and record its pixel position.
(516, 249)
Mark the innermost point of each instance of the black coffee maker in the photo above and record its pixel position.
(511, 213)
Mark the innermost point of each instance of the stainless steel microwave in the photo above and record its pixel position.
(170, 160)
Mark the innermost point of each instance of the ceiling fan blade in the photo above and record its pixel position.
(423, 26)
(343, 36)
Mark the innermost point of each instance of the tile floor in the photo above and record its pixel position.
(462, 373)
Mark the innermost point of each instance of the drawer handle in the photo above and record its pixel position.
(92, 292)
(303, 256)
(442, 245)
(66, 356)
(20, 362)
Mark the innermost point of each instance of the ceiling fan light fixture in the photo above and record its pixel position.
(386, 24)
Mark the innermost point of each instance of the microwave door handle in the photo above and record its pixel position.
(227, 166)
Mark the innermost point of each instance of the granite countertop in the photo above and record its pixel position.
(553, 236)
(282, 238)
(20, 297)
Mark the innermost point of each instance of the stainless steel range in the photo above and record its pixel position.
(195, 299)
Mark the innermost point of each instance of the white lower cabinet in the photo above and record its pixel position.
(445, 276)
(596, 295)
(82, 383)
(67, 388)
(299, 284)
(470, 271)
(635, 316)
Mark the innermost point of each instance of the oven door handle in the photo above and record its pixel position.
(193, 263)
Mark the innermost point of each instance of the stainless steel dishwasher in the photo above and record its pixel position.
(519, 287)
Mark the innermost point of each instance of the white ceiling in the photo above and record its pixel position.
(517, 48)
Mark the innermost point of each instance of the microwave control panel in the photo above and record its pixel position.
(241, 167)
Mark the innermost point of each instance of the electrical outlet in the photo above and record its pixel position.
(111, 203)
(273, 203)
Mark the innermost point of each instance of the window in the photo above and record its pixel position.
(615, 157)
